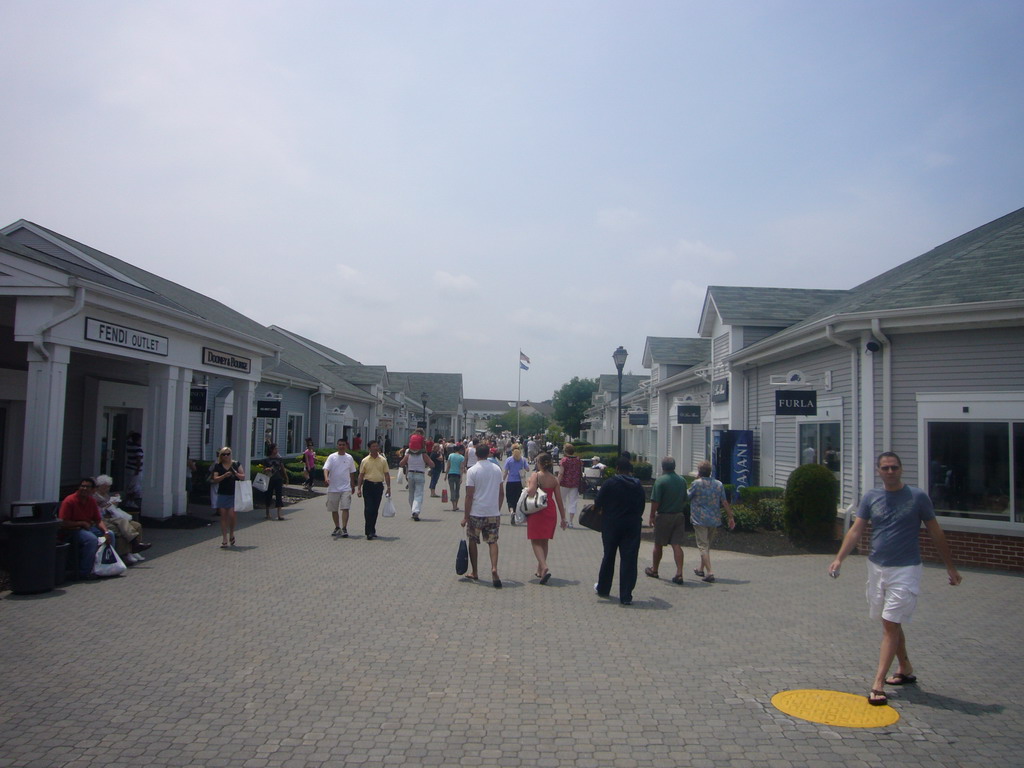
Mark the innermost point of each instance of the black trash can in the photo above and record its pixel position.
(32, 552)
(60, 564)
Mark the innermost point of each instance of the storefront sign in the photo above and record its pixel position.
(790, 402)
(197, 400)
(129, 338)
(268, 409)
(687, 414)
(640, 419)
(226, 360)
(720, 391)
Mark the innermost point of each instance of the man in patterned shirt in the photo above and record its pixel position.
(707, 497)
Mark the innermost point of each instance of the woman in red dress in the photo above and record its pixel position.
(540, 526)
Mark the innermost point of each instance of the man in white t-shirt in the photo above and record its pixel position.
(340, 475)
(485, 494)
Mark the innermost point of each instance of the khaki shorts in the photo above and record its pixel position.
(892, 591)
(705, 535)
(486, 526)
(670, 530)
(341, 500)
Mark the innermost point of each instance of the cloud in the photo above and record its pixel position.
(349, 275)
(618, 219)
(462, 284)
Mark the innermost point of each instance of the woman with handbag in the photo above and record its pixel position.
(540, 526)
(223, 474)
(274, 464)
(514, 467)
(570, 478)
(437, 454)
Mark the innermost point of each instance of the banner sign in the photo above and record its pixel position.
(687, 414)
(742, 457)
(268, 409)
(790, 402)
(640, 419)
(197, 400)
(120, 336)
(720, 391)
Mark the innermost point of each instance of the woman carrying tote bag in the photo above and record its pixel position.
(225, 473)
(540, 527)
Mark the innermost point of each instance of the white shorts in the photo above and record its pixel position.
(892, 591)
(336, 501)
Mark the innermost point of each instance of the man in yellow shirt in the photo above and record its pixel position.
(374, 474)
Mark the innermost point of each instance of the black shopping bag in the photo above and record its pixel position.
(462, 558)
(590, 517)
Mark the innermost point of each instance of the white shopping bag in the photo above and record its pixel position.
(243, 496)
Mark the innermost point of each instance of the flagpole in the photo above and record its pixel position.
(519, 391)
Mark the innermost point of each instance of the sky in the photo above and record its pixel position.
(437, 185)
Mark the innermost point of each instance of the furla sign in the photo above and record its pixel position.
(791, 402)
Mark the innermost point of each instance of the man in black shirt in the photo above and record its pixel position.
(621, 502)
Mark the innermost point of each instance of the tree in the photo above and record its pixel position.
(571, 403)
(529, 423)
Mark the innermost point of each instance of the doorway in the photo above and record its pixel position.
(113, 442)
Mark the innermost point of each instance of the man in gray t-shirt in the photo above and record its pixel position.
(896, 512)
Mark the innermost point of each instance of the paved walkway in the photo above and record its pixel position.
(297, 649)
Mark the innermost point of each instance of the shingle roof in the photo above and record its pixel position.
(609, 382)
(196, 303)
(318, 347)
(772, 307)
(985, 264)
(72, 265)
(444, 390)
(665, 350)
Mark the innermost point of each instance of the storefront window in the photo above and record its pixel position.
(972, 466)
(820, 444)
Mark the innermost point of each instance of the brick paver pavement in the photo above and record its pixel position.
(297, 649)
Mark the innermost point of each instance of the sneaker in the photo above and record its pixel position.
(416, 518)
(138, 558)
(129, 559)
(337, 532)
(344, 533)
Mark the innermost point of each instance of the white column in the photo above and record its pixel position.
(162, 442)
(43, 445)
(179, 465)
(664, 444)
(244, 410)
(867, 416)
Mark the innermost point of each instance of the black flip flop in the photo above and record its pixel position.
(546, 577)
(900, 679)
(877, 698)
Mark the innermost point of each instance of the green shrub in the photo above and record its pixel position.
(753, 494)
(773, 514)
(642, 470)
(748, 518)
(810, 503)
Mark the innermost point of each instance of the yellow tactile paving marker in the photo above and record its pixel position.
(834, 708)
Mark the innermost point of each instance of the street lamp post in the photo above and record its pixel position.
(426, 423)
(619, 356)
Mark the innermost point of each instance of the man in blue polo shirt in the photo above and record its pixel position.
(896, 512)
